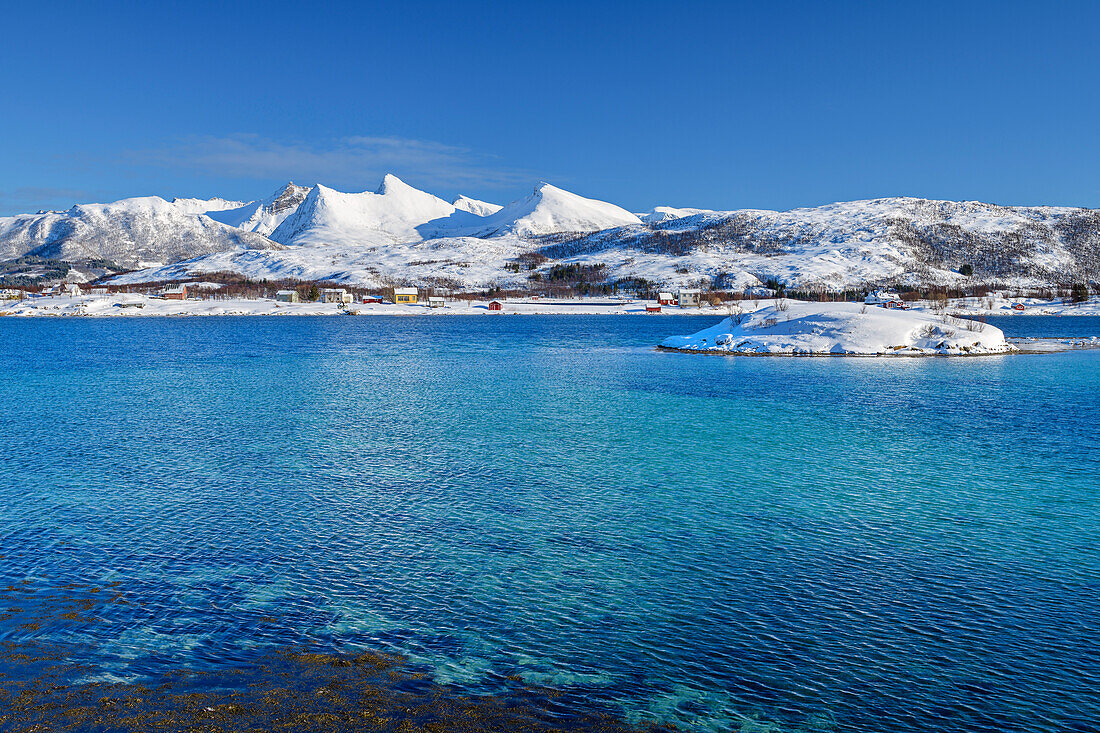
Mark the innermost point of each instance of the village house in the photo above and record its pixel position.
(689, 298)
(372, 298)
(72, 290)
(404, 295)
(434, 301)
(495, 305)
(287, 296)
(10, 294)
(101, 291)
(653, 309)
(335, 295)
(665, 299)
(175, 292)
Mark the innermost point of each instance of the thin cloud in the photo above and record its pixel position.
(37, 198)
(349, 161)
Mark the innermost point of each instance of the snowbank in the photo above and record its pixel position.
(843, 329)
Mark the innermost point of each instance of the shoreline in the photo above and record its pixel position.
(144, 306)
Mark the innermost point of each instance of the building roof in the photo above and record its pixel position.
(287, 292)
(404, 291)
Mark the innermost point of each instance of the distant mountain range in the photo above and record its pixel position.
(399, 234)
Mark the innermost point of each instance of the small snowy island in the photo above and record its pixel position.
(796, 328)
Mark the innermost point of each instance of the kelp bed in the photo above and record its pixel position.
(41, 687)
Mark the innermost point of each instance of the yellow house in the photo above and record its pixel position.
(404, 295)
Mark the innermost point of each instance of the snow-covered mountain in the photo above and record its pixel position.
(263, 216)
(396, 212)
(549, 210)
(131, 232)
(668, 213)
(401, 234)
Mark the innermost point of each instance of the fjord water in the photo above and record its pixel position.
(825, 544)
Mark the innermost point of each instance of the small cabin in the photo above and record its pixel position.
(335, 295)
(435, 301)
(689, 298)
(287, 296)
(1017, 306)
(653, 309)
(665, 299)
(405, 295)
(372, 298)
(175, 292)
(72, 290)
(495, 305)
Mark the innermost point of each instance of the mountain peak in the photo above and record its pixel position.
(392, 184)
(475, 206)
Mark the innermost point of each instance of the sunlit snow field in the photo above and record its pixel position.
(867, 544)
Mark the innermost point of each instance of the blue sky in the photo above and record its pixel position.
(718, 105)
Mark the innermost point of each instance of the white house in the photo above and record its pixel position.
(287, 296)
(689, 298)
(71, 289)
(434, 301)
(881, 297)
(335, 295)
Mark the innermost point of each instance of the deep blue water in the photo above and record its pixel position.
(837, 544)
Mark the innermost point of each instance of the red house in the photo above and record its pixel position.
(653, 309)
(372, 298)
(495, 305)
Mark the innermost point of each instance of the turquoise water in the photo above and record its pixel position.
(837, 544)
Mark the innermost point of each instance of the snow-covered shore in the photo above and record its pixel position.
(144, 305)
(848, 329)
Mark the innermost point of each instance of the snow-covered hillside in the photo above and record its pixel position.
(904, 241)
